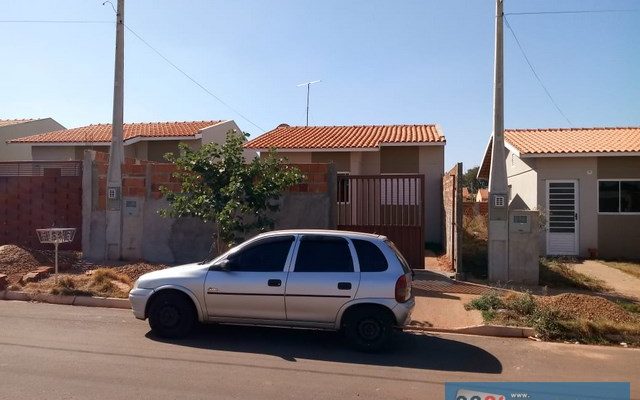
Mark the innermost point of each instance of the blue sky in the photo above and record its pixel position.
(381, 62)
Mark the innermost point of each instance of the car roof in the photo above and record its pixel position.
(328, 232)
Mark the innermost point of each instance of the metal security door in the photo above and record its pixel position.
(562, 205)
(389, 205)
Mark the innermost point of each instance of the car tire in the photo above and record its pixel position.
(171, 315)
(369, 329)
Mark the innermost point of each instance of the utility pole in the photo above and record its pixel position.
(498, 201)
(308, 85)
(116, 152)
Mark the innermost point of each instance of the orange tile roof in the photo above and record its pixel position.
(559, 141)
(102, 132)
(345, 137)
(8, 122)
(575, 140)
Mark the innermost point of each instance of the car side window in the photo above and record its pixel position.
(267, 255)
(318, 253)
(370, 257)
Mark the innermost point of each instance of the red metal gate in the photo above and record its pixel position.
(40, 194)
(389, 205)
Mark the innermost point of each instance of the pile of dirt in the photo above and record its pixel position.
(571, 305)
(16, 260)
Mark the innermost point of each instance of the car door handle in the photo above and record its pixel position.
(344, 285)
(274, 282)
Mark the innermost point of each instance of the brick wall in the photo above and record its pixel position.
(40, 198)
(143, 178)
(146, 235)
(473, 208)
(452, 215)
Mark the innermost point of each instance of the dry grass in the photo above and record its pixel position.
(552, 321)
(102, 282)
(628, 267)
(555, 273)
(475, 235)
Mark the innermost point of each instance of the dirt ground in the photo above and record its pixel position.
(572, 305)
(16, 261)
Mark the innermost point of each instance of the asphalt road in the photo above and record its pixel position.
(64, 352)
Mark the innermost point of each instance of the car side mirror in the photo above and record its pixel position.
(223, 265)
(227, 264)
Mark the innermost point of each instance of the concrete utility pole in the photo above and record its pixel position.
(116, 153)
(498, 201)
(308, 85)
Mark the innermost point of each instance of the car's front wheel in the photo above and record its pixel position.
(171, 315)
(369, 328)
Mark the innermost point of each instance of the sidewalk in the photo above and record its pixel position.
(440, 301)
(621, 284)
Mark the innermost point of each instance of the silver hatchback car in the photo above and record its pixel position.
(318, 279)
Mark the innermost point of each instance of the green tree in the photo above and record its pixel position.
(218, 185)
(470, 181)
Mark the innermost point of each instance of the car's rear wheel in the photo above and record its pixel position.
(369, 328)
(171, 315)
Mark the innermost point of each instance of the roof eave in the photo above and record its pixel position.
(582, 154)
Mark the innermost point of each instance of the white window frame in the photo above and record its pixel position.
(619, 198)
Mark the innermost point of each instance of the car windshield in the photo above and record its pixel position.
(403, 261)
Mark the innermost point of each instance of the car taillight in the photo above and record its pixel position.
(403, 289)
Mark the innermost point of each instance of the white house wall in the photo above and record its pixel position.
(18, 152)
(218, 134)
(431, 164)
(53, 153)
(522, 178)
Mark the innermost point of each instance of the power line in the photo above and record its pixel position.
(572, 12)
(524, 54)
(190, 78)
(45, 21)
(152, 48)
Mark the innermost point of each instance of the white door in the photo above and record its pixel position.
(562, 225)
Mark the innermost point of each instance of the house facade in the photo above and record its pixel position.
(145, 141)
(381, 150)
(15, 128)
(586, 182)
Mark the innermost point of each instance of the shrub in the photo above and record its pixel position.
(487, 302)
(521, 303)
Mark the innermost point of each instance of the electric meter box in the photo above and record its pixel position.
(520, 222)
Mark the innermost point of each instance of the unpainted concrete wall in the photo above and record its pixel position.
(146, 235)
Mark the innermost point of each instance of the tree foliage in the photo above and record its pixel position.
(470, 181)
(217, 185)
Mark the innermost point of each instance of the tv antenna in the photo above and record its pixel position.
(308, 85)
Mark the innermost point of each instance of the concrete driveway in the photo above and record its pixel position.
(50, 352)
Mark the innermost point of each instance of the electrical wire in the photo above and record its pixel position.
(44, 21)
(533, 70)
(190, 78)
(572, 12)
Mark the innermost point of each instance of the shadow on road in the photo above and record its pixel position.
(408, 350)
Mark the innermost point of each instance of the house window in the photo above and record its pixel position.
(619, 196)
(343, 187)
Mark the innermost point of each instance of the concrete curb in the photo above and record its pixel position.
(86, 301)
(480, 330)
